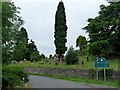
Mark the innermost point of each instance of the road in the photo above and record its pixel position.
(46, 82)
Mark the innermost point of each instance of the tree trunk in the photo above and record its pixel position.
(80, 49)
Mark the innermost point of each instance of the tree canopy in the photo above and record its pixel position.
(60, 30)
(81, 42)
(10, 26)
(20, 48)
(104, 30)
(72, 56)
(15, 45)
(32, 52)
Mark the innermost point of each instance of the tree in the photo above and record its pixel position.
(11, 22)
(24, 35)
(31, 49)
(35, 56)
(10, 26)
(20, 49)
(50, 56)
(72, 56)
(81, 42)
(104, 31)
(60, 31)
(42, 56)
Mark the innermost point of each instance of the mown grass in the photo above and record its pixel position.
(50, 63)
(111, 84)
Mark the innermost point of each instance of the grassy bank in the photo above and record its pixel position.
(112, 83)
(50, 63)
(88, 65)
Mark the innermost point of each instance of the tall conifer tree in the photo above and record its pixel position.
(60, 30)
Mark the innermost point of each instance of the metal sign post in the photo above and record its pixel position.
(97, 74)
(104, 74)
(101, 62)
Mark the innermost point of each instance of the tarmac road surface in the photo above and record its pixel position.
(46, 82)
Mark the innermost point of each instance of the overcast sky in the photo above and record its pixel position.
(39, 17)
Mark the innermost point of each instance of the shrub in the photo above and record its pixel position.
(72, 56)
(35, 56)
(13, 76)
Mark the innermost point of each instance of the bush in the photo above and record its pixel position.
(13, 76)
(35, 56)
(72, 56)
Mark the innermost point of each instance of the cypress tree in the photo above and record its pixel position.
(60, 30)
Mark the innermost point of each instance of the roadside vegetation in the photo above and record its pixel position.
(13, 77)
(21, 66)
(51, 63)
(18, 51)
(110, 84)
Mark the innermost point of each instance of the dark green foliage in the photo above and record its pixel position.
(42, 56)
(50, 56)
(23, 76)
(19, 51)
(81, 42)
(104, 31)
(60, 30)
(72, 56)
(35, 56)
(32, 52)
(15, 44)
(10, 26)
(20, 48)
(12, 76)
(24, 35)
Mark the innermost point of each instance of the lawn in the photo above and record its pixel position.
(50, 63)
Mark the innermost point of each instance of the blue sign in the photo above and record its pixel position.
(101, 62)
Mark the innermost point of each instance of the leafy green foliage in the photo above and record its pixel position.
(104, 31)
(35, 56)
(10, 25)
(13, 76)
(32, 51)
(42, 56)
(20, 49)
(60, 30)
(72, 56)
(81, 42)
